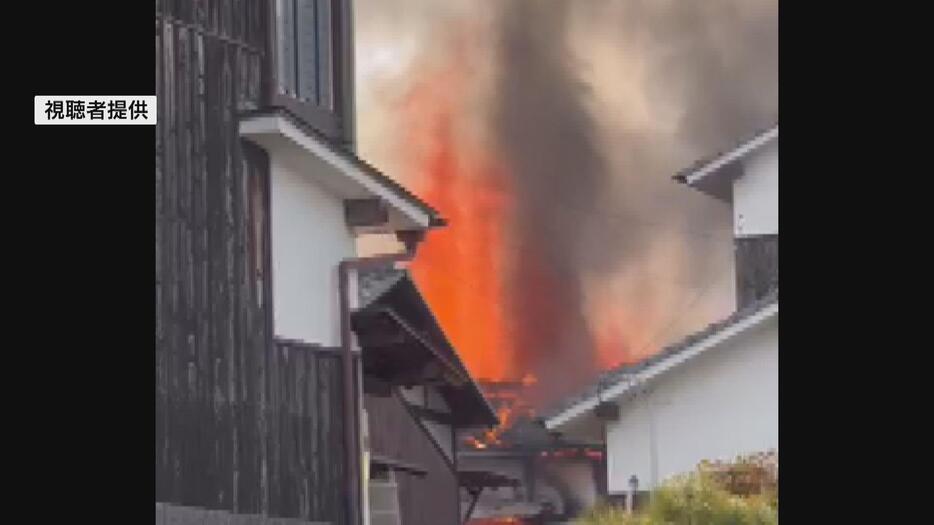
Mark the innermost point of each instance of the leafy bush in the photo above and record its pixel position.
(744, 492)
(698, 499)
(610, 515)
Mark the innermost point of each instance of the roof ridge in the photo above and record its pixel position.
(616, 375)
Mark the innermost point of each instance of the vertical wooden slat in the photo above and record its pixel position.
(264, 340)
(285, 57)
(273, 443)
(315, 450)
(328, 426)
(183, 200)
(299, 418)
(175, 408)
(214, 233)
(230, 255)
(161, 427)
(236, 263)
(324, 59)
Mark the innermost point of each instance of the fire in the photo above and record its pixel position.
(459, 267)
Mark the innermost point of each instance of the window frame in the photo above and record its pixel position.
(332, 122)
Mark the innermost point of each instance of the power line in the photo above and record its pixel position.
(679, 316)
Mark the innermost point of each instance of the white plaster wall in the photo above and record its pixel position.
(721, 404)
(309, 239)
(755, 194)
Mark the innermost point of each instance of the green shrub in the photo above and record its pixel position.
(744, 492)
(698, 499)
(610, 515)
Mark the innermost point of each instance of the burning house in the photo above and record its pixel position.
(518, 471)
(568, 248)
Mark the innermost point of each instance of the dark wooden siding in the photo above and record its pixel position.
(394, 433)
(242, 424)
(756, 268)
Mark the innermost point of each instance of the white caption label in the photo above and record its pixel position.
(84, 110)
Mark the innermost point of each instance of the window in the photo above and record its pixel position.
(306, 50)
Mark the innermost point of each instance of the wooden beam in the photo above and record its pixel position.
(363, 213)
(475, 496)
(607, 411)
(376, 387)
(397, 465)
(433, 415)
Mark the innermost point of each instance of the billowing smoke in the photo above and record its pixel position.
(548, 140)
(712, 59)
(588, 107)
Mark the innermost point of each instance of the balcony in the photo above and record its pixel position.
(311, 65)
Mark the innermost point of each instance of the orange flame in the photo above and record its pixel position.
(459, 267)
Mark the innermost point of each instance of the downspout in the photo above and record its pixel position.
(351, 436)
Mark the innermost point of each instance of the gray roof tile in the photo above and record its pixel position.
(617, 375)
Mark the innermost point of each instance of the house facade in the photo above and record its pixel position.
(746, 178)
(260, 405)
(713, 395)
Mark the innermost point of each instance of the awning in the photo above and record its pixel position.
(403, 344)
(394, 352)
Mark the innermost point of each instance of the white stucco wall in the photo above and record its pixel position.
(755, 194)
(309, 239)
(721, 404)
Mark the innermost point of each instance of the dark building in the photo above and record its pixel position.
(259, 197)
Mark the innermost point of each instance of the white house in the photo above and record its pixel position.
(746, 177)
(713, 395)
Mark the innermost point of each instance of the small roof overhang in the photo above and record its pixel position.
(294, 144)
(715, 175)
(394, 352)
(404, 344)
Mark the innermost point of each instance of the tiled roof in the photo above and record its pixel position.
(374, 282)
(623, 373)
(377, 283)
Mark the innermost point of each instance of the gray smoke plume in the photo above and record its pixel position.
(714, 59)
(557, 170)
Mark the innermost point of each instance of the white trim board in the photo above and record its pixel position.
(731, 156)
(261, 128)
